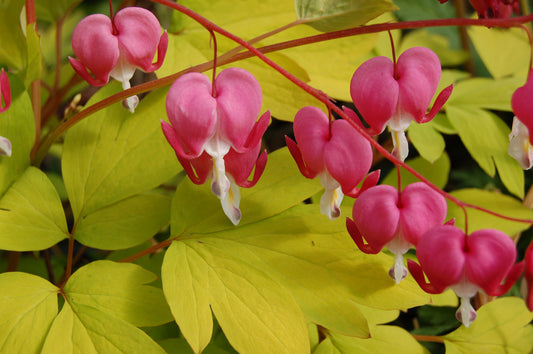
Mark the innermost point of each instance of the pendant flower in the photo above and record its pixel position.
(493, 8)
(392, 94)
(520, 139)
(116, 47)
(5, 103)
(335, 152)
(214, 132)
(386, 218)
(467, 264)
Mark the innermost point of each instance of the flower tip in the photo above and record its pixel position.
(5, 147)
(130, 103)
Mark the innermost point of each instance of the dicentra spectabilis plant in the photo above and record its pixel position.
(110, 245)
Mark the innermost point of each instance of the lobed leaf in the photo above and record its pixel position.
(13, 48)
(501, 326)
(255, 312)
(31, 214)
(120, 290)
(18, 126)
(385, 339)
(505, 52)
(84, 329)
(124, 224)
(28, 305)
(332, 15)
(486, 138)
(109, 156)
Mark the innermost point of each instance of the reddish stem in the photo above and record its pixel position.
(510, 22)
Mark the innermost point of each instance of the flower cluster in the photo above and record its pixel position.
(116, 47)
(215, 132)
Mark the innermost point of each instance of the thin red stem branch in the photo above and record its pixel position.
(510, 22)
(422, 338)
(147, 251)
(324, 98)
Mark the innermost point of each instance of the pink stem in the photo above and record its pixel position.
(509, 22)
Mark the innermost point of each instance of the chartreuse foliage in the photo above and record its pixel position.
(107, 166)
(295, 260)
(503, 326)
(286, 280)
(105, 301)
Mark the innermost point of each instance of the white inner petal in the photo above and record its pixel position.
(230, 204)
(401, 146)
(331, 199)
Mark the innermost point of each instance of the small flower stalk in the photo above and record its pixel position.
(394, 94)
(333, 151)
(115, 47)
(467, 264)
(5, 103)
(214, 132)
(520, 139)
(385, 217)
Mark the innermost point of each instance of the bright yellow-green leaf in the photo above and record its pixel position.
(385, 339)
(501, 326)
(429, 143)
(120, 290)
(13, 48)
(505, 52)
(28, 305)
(436, 172)
(31, 214)
(124, 224)
(114, 154)
(332, 15)
(485, 93)
(255, 312)
(442, 124)
(85, 329)
(68, 335)
(18, 126)
(486, 137)
(496, 202)
(33, 66)
(317, 261)
(438, 43)
(196, 209)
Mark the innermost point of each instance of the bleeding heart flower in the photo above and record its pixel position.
(384, 217)
(116, 47)
(213, 131)
(394, 94)
(335, 152)
(467, 264)
(493, 8)
(528, 277)
(5, 96)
